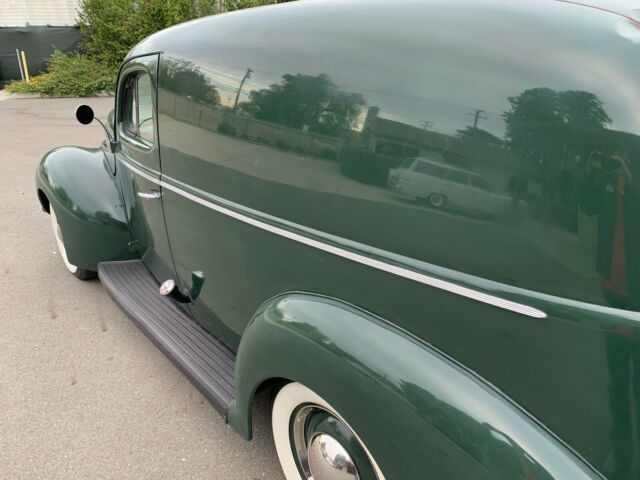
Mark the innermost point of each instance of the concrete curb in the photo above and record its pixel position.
(4, 95)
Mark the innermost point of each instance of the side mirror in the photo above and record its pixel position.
(84, 114)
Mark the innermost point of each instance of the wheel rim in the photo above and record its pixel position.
(326, 448)
(58, 234)
(314, 442)
(436, 199)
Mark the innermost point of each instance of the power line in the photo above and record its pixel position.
(477, 115)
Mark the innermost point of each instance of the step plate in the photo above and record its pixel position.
(204, 359)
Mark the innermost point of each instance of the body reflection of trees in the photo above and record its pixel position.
(563, 143)
(189, 80)
(304, 101)
(553, 133)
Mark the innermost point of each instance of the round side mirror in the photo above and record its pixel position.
(84, 114)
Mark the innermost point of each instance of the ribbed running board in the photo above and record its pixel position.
(204, 359)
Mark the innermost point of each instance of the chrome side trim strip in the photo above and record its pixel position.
(355, 257)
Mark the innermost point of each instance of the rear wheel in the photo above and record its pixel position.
(437, 200)
(314, 442)
(80, 273)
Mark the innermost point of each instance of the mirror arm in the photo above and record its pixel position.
(113, 144)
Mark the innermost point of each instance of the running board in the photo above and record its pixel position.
(202, 358)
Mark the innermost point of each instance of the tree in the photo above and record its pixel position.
(553, 133)
(187, 78)
(547, 127)
(299, 100)
(112, 27)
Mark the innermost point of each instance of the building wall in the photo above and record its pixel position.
(19, 13)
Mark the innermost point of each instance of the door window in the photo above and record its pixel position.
(458, 177)
(138, 107)
(430, 169)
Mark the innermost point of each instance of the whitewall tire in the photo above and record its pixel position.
(292, 408)
(57, 233)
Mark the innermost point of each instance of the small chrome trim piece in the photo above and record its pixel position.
(349, 255)
(149, 195)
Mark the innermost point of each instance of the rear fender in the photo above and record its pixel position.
(79, 185)
(419, 413)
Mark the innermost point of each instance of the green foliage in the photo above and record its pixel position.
(112, 27)
(240, 4)
(74, 74)
(367, 167)
(227, 129)
(550, 129)
(187, 78)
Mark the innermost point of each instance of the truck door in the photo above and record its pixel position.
(138, 162)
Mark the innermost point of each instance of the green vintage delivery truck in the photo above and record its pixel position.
(417, 222)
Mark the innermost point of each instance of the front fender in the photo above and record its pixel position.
(78, 184)
(420, 414)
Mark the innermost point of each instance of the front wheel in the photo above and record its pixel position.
(314, 442)
(80, 273)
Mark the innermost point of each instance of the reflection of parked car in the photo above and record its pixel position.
(440, 185)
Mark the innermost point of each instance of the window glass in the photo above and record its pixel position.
(145, 107)
(430, 169)
(138, 107)
(130, 107)
(458, 177)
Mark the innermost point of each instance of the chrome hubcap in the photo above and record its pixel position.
(325, 448)
(328, 460)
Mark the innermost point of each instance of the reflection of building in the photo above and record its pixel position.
(397, 139)
(224, 120)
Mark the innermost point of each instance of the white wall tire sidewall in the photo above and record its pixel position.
(56, 233)
(289, 398)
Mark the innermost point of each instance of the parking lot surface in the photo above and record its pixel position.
(83, 393)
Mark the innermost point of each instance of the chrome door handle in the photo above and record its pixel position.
(149, 195)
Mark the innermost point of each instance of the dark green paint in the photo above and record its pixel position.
(146, 219)
(419, 415)
(79, 185)
(306, 116)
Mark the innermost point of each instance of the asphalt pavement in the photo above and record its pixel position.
(83, 393)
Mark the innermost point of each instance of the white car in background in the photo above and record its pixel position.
(441, 185)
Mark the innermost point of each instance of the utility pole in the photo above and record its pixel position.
(477, 114)
(244, 79)
(426, 124)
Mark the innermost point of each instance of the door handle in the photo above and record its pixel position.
(150, 195)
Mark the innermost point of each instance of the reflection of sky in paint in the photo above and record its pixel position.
(431, 69)
(228, 81)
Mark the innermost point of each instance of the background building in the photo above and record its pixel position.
(37, 27)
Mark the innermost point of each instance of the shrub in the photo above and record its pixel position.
(227, 129)
(73, 74)
(367, 167)
(113, 27)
